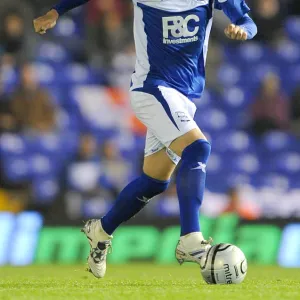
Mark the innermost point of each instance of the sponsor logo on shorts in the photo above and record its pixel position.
(182, 116)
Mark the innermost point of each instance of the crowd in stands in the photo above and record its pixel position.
(69, 141)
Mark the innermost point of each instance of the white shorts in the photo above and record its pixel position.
(165, 112)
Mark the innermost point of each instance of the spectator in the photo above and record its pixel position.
(294, 7)
(270, 108)
(85, 193)
(7, 121)
(31, 104)
(15, 42)
(295, 112)
(235, 205)
(168, 202)
(108, 34)
(116, 171)
(269, 16)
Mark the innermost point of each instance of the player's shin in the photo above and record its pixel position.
(131, 200)
(191, 184)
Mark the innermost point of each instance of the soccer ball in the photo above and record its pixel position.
(223, 264)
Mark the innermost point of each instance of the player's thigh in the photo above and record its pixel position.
(179, 144)
(159, 165)
(166, 113)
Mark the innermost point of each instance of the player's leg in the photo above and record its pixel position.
(194, 151)
(137, 194)
(130, 201)
(171, 121)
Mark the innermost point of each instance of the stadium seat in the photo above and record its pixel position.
(66, 28)
(237, 179)
(217, 182)
(77, 73)
(42, 165)
(252, 53)
(45, 73)
(288, 53)
(16, 169)
(292, 76)
(94, 207)
(292, 27)
(234, 141)
(48, 144)
(214, 120)
(287, 163)
(214, 165)
(273, 180)
(53, 53)
(12, 145)
(247, 163)
(9, 78)
(45, 189)
(277, 141)
(229, 75)
(235, 98)
(257, 73)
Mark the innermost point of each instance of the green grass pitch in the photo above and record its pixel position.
(143, 281)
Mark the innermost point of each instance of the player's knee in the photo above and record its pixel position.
(198, 151)
(153, 186)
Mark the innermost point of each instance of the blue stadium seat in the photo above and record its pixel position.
(53, 53)
(288, 53)
(292, 27)
(77, 74)
(291, 77)
(48, 144)
(16, 169)
(213, 120)
(234, 141)
(235, 98)
(215, 164)
(236, 179)
(257, 73)
(66, 28)
(247, 163)
(9, 78)
(277, 141)
(12, 145)
(94, 207)
(252, 53)
(215, 183)
(273, 180)
(229, 74)
(45, 73)
(287, 163)
(42, 165)
(45, 189)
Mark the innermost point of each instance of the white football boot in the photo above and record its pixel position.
(100, 243)
(191, 247)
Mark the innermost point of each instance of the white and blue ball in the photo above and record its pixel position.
(224, 264)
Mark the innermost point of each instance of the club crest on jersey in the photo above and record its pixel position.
(176, 29)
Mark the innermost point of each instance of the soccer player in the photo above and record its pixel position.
(171, 40)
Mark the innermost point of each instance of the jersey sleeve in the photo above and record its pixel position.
(65, 5)
(233, 9)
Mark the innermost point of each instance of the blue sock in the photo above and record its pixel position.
(191, 184)
(131, 200)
